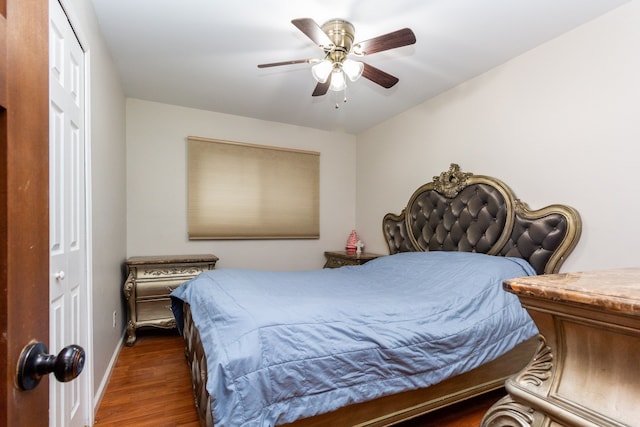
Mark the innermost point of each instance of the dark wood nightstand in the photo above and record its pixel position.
(337, 259)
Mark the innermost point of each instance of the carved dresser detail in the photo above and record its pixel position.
(149, 283)
(586, 370)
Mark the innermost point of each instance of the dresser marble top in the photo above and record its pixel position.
(609, 290)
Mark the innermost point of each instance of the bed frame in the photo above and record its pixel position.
(457, 211)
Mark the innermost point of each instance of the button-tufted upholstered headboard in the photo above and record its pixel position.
(460, 211)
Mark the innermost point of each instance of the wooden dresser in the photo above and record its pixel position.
(339, 258)
(586, 371)
(149, 283)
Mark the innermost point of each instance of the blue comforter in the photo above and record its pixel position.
(286, 345)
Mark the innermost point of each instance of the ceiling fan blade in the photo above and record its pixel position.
(322, 88)
(387, 41)
(312, 30)
(295, 61)
(378, 76)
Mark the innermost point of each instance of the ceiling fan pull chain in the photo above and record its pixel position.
(337, 98)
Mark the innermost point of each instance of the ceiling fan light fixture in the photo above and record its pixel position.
(321, 70)
(353, 69)
(336, 39)
(338, 82)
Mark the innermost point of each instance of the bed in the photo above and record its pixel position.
(252, 362)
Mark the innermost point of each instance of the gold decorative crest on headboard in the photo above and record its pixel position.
(451, 182)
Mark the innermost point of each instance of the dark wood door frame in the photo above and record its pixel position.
(24, 211)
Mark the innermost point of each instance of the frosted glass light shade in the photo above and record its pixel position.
(338, 82)
(321, 71)
(353, 69)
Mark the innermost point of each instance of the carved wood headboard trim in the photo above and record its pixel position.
(460, 211)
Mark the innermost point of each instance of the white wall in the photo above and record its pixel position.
(107, 191)
(559, 124)
(157, 186)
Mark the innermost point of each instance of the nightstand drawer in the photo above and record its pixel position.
(154, 272)
(146, 289)
(154, 309)
(336, 259)
(334, 262)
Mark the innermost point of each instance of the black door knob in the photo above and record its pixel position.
(35, 362)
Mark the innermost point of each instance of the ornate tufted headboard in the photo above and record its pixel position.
(460, 211)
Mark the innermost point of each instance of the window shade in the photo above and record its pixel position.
(247, 191)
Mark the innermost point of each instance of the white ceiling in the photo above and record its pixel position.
(204, 53)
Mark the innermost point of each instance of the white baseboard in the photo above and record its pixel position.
(107, 376)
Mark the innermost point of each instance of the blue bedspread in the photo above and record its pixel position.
(287, 345)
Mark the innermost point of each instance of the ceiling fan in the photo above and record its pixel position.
(335, 38)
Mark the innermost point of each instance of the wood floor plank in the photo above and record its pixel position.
(150, 387)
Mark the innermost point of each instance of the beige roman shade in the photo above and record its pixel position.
(247, 191)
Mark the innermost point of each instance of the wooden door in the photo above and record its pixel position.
(24, 214)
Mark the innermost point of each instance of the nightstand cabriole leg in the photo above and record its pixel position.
(129, 295)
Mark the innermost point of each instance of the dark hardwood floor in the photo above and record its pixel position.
(150, 387)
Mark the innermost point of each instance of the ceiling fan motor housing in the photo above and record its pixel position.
(341, 33)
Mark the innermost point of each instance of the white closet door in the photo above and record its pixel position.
(69, 402)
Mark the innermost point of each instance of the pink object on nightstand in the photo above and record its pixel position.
(352, 241)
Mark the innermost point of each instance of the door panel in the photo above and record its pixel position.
(68, 405)
(24, 215)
